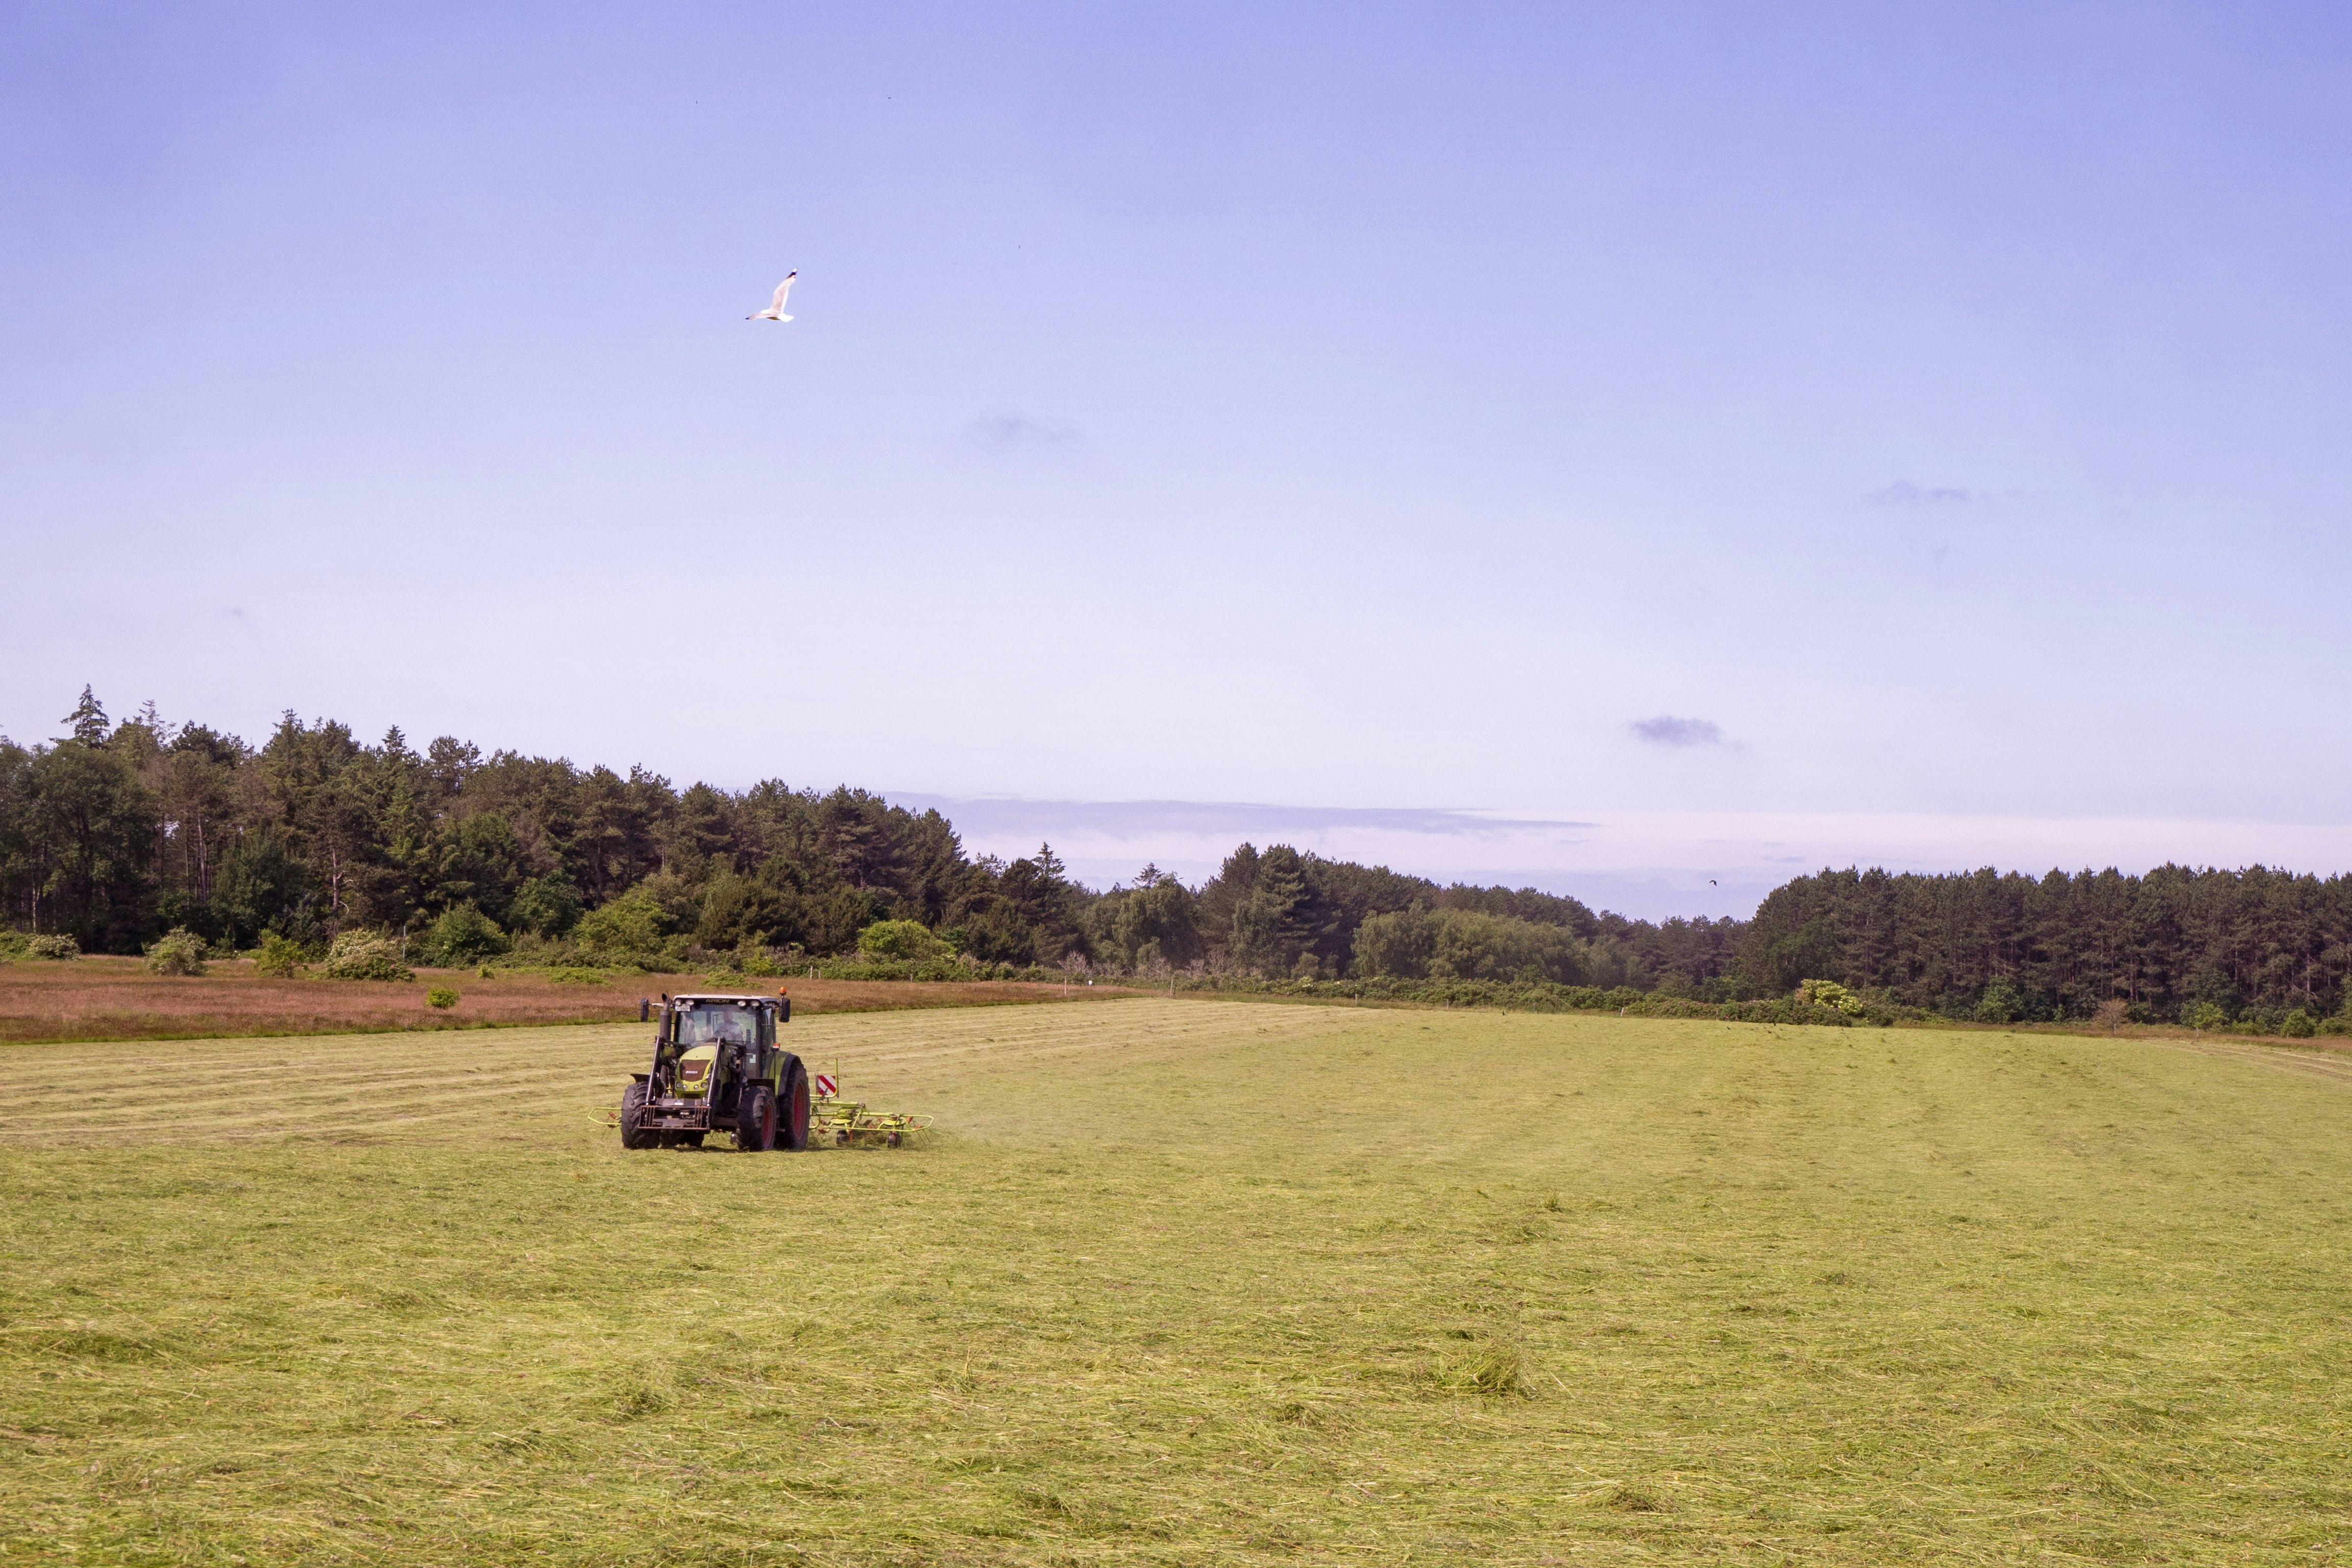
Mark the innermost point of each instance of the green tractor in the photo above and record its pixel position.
(717, 1068)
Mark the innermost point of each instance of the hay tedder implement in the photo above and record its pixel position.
(717, 1068)
(848, 1125)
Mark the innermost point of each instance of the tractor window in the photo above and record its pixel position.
(716, 1025)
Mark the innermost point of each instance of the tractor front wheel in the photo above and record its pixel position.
(633, 1116)
(755, 1120)
(794, 1133)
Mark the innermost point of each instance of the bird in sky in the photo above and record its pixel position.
(775, 311)
(1710, 881)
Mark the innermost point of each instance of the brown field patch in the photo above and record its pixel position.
(116, 999)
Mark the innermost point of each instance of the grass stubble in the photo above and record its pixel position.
(1183, 1282)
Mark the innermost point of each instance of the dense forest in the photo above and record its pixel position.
(2173, 944)
(116, 833)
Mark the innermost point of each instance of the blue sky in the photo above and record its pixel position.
(1355, 409)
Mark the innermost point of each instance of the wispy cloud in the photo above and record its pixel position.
(1239, 819)
(1903, 493)
(1006, 429)
(1666, 730)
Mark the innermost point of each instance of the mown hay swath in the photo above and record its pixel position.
(1644, 1292)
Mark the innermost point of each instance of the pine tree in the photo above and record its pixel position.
(89, 719)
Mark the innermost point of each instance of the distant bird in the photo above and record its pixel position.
(1710, 881)
(775, 311)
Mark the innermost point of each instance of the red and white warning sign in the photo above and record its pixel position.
(826, 1086)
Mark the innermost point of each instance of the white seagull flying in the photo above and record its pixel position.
(775, 311)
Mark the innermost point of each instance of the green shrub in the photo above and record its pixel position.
(628, 930)
(945, 967)
(525, 950)
(178, 951)
(12, 945)
(903, 941)
(2298, 1024)
(2001, 1003)
(440, 996)
(1829, 993)
(60, 947)
(279, 956)
(463, 936)
(2205, 1015)
(366, 955)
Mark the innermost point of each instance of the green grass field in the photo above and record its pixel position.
(1186, 1282)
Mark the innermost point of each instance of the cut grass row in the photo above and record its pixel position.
(1187, 1283)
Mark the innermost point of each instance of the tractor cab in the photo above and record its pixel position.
(722, 1020)
(709, 1035)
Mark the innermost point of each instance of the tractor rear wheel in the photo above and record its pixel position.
(755, 1120)
(633, 1115)
(792, 1131)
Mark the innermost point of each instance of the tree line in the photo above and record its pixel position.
(2175, 945)
(116, 833)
